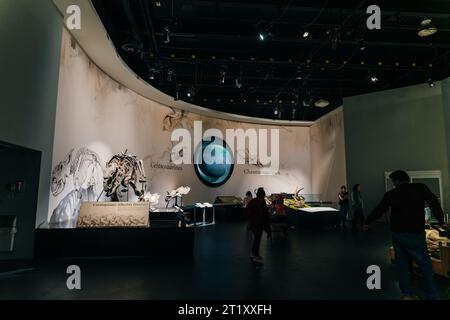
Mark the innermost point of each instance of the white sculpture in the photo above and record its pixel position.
(152, 198)
(176, 194)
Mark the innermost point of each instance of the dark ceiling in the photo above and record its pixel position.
(205, 48)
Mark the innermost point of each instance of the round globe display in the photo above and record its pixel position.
(213, 162)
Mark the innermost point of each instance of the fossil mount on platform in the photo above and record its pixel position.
(122, 172)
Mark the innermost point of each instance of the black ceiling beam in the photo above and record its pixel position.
(302, 41)
(275, 8)
(312, 66)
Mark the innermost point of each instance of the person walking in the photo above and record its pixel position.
(344, 206)
(258, 221)
(248, 197)
(407, 201)
(357, 206)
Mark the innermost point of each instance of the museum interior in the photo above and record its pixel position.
(198, 149)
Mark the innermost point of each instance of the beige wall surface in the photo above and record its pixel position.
(395, 129)
(95, 112)
(328, 171)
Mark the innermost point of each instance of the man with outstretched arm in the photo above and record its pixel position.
(407, 201)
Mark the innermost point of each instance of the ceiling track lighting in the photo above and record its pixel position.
(430, 82)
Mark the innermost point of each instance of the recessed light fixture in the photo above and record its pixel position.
(158, 3)
(322, 103)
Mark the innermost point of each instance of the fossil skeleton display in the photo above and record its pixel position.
(86, 173)
(176, 195)
(122, 172)
(153, 199)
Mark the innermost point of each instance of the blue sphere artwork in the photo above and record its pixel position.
(213, 162)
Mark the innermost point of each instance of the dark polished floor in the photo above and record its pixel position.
(308, 264)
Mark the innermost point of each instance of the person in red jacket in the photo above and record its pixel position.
(258, 221)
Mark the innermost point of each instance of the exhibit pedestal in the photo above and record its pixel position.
(113, 242)
(317, 217)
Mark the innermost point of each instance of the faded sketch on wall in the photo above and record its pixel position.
(124, 171)
(86, 173)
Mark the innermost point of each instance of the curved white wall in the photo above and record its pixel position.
(95, 111)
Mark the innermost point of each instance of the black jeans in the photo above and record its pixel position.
(257, 234)
(358, 214)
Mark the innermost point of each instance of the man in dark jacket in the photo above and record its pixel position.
(258, 221)
(406, 202)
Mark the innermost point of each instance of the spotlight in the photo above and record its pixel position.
(294, 113)
(223, 74)
(177, 92)
(322, 103)
(305, 34)
(275, 111)
(238, 83)
(191, 92)
(431, 83)
(262, 36)
(307, 100)
(166, 35)
(361, 45)
(374, 79)
(170, 75)
(427, 28)
(152, 73)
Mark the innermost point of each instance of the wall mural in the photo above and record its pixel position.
(86, 174)
(90, 108)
